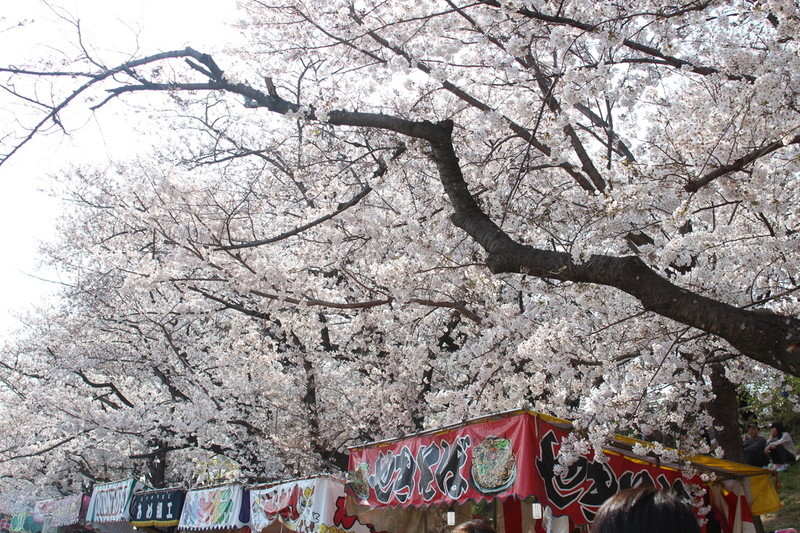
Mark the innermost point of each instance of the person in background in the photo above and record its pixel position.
(645, 510)
(754, 445)
(780, 447)
(478, 525)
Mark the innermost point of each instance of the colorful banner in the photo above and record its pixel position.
(509, 457)
(111, 501)
(306, 506)
(224, 507)
(62, 512)
(24, 523)
(157, 508)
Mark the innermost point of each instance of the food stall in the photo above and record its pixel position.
(109, 507)
(505, 467)
(158, 510)
(222, 508)
(63, 515)
(313, 505)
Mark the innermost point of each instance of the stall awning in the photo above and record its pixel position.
(24, 523)
(157, 508)
(508, 455)
(62, 512)
(225, 507)
(304, 506)
(109, 508)
(761, 491)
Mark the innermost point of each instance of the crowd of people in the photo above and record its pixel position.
(775, 453)
(639, 510)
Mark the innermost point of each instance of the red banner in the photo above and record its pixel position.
(511, 457)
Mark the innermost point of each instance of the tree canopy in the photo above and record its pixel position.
(376, 216)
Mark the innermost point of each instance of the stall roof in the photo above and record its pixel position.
(619, 444)
(565, 424)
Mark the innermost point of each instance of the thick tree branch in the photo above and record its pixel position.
(771, 339)
(108, 385)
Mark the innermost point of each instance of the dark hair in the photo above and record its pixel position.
(780, 427)
(752, 425)
(478, 525)
(645, 510)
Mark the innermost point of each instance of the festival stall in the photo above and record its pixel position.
(62, 515)
(505, 468)
(157, 509)
(222, 508)
(109, 507)
(315, 505)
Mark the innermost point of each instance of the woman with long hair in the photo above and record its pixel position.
(780, 447)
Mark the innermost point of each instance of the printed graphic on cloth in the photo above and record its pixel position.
(157, 508)
(111, 501)
(5, 523)
(216, 508)
(305, 506)
(24, 523)
(472, 462)
(730, 507)
(62, 512)
(515, 456)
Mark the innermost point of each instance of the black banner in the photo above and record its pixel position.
(157, 509)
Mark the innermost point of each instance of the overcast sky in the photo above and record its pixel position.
(28, 28)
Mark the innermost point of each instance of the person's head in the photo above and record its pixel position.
(752, 430)
(478, 525)
(645, 510)
(777, 429)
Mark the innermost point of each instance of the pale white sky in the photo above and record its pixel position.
(28, 29)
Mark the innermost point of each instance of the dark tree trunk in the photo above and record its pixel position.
(724, 408)
(157, 466)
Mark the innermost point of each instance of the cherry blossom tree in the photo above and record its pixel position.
(381, 216)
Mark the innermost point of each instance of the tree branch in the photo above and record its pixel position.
(380, 171)
(108, 385)
(95, 79)
(738, 164)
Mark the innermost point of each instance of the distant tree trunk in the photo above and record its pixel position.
(724, 408)
(157, 465)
